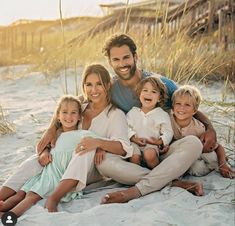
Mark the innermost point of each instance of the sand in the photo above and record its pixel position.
(29, 102)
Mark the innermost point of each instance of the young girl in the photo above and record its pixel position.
(186, 101)
(149, 126)
(40, 186)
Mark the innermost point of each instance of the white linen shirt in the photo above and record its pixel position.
(156, 123)
(111, 125)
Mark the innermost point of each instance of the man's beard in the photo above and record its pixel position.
(131, 74)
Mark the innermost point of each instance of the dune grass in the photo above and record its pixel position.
(6, 127)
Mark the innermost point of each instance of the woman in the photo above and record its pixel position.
(98, 115)
(101, 117)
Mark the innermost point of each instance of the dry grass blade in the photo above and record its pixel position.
(5, 126)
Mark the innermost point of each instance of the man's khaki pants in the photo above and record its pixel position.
(181, 155)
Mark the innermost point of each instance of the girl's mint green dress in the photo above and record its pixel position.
(46, 182)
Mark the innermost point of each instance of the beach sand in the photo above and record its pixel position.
(29, 102)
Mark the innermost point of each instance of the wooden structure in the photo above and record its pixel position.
(192, 16)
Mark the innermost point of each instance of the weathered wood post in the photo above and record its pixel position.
(211, 10)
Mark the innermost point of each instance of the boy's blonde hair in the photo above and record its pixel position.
(190, 91)
(158, 85)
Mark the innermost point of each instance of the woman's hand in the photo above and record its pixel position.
(45, 158)
(88, 144)
(48, 138)
(99, 156)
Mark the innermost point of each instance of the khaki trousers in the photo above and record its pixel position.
(181, 155)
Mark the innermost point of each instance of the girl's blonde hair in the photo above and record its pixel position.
(192, 92)
(104, 77)
(66, 99)
(158, 85)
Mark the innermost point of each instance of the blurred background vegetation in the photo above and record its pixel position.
(183, 40)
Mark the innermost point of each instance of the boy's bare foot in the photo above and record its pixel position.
(51, 205)
(121, 196)
(195, 188)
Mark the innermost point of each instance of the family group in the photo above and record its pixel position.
(137, 128)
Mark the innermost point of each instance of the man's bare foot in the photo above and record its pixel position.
(1, 213)
(195, 188)
(51, 205)
(121, 196)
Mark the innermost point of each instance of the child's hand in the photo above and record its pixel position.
(226, 171)
(45, 158)
(164, 150)
(99, 156)
(140, 141)
(154, 141)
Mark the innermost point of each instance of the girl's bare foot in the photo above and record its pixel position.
(195, 188)
(51, 205)
(121, 196)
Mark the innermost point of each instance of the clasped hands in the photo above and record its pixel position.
(152, 140)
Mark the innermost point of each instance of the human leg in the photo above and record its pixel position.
(136, 159)
(113, 166)
(12, 201)
(121, 196)
(63, 188)
(26, 170)
(151, 157)
(6, 192)
(74, 178)
(30, 199)
(195, 188)
(177, 160)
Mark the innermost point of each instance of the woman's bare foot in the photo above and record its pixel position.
(51, 205)
(121, 196)
(195, 188)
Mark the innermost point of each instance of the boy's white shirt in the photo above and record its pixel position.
(156, 123)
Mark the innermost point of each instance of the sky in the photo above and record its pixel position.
(12, 10)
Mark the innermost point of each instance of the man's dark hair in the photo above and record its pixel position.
(119, 40)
